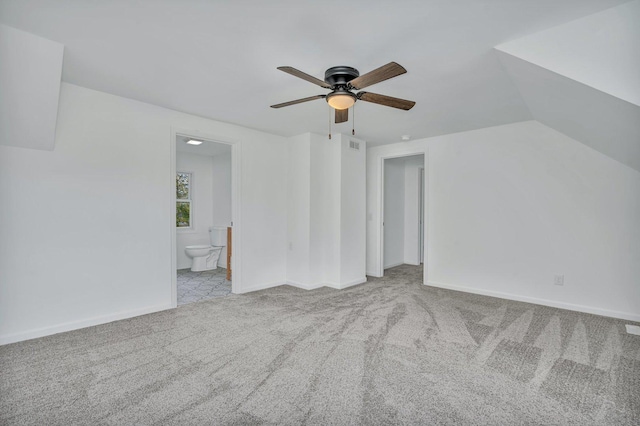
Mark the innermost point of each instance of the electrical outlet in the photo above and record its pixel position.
(558, 280)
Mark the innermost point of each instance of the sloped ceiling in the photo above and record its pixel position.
(30, 69)
(583, 79)
(218, 59)
(606, 123)
(600, 50)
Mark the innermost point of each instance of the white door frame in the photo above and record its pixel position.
(421, 214)
(425, 196)
(236, 220)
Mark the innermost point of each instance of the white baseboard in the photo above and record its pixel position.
(303, 286)
(393, 265)
(337, 286)
(341, 286)
(75, 325)
(545, 302)
(262, 286)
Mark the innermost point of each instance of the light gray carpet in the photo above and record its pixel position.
(390, 351)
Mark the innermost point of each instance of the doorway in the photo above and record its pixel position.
(402, 224)
(204, 229)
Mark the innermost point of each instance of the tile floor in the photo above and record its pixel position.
(197, 286)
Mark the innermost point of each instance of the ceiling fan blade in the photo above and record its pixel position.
(304, 76)
(386, 100)
(383, 73)
(298, 101)
(342, 115)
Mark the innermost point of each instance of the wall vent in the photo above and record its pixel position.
(354, 145)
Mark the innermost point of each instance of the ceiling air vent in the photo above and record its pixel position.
(354, 145)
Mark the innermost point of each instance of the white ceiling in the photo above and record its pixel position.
(604, 122)
(218, 59)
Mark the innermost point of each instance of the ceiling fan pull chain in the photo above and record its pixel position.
(353, 120)
(330, 111)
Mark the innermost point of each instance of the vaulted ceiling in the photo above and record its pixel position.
(582, 78)
(218, 59)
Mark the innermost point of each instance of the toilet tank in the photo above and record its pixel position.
(218, 236)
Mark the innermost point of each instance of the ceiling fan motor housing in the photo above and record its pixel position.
(340, 76)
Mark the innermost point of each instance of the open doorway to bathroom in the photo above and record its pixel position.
(203, 225)
(403, 211)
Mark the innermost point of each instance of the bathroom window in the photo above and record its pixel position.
(183, 200)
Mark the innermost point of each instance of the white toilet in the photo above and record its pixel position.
(205, 257)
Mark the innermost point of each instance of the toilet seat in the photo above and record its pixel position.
(200, 246)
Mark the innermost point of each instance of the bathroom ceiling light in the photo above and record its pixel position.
(194, 142)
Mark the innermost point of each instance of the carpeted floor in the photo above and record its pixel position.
(390, 351)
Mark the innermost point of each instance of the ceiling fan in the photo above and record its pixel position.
(342, 80)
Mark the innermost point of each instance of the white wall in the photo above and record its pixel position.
(85, 233)
(298, 209)
(201, 169)
(222, 197)
(221, 189)
(320, 233)
(326, 208)
(330, 201)
(412, 166)
(394, 192)
(30, 73)
(353, 202)
(510, 207)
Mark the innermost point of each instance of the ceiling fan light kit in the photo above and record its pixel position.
(341, 99)
(342, 80)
